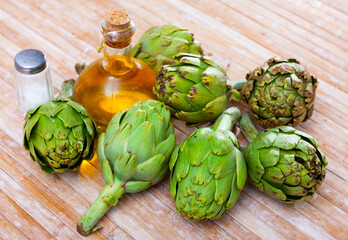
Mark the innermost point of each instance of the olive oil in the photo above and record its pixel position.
(116, 81)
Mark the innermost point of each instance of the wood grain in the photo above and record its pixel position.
(240, 35)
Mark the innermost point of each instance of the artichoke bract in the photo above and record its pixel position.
(59, 134)
(195, 90)
(280, 92)
(283, 162)
(160, 44)
(208, 170)
(134, 153)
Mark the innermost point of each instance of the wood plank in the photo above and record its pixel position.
(28, 202)
(312, 29)
(9, 230)
(325, 49)
(327, 229)
(21, 219)
(339, 5)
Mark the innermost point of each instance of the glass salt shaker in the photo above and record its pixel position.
(32, 79)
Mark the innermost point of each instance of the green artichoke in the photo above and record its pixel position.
(280, 92)
(195, 90)
(59, 134)
(134, 153)
(283, 162)
(159, 45)
(208, 171)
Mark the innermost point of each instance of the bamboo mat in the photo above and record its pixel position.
(240, 35)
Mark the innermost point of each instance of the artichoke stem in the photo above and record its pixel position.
(67, 89)
(248, 128)
(237, 84)
(107, 198)
(227, 119)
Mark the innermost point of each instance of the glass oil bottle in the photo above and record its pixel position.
(116, 81)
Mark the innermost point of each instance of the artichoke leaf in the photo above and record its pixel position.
(45, 127)
(241, 170)
(114, 124)
(149, 169)
(136, 119)
(286, 141)
(52, 108)
(173, 185)
(223, 188)
(199, 96)
(197, 155)
(167, 146)
(182, 166)
(88, 146)
(235, 191)
(269, 156)
(294, 190)
(110, 200)
(215, 80)
(125, 166)
(220, 166)
(213, 210)
(40, 144)
(119, 139)
(92, 130)
(68, 117)
(174, 156)
(274, 176)
(100, 149)
(189, 117)
(200, 175)
(212, 109)
(142, 142)
(220, 144)
(136, 186)
(79, 132)
(29, 125)
(272, 191)
(107, 172)
(306, 147)
(79, 108)
(158, 121)
(177, 82)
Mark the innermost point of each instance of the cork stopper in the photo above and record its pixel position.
(117, 28)
(117, 20)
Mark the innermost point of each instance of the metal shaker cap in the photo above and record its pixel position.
(30, 61)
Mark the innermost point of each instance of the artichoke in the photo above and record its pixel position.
(207, 170)
(195, 90)
(283, 162)
(280, 92)
(59, 133)
(159, 45)
(134, 153)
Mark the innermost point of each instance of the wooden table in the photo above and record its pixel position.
(240, 34)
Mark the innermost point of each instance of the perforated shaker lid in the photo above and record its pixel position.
(30, 61)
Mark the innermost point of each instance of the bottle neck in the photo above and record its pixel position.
(117, 61)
